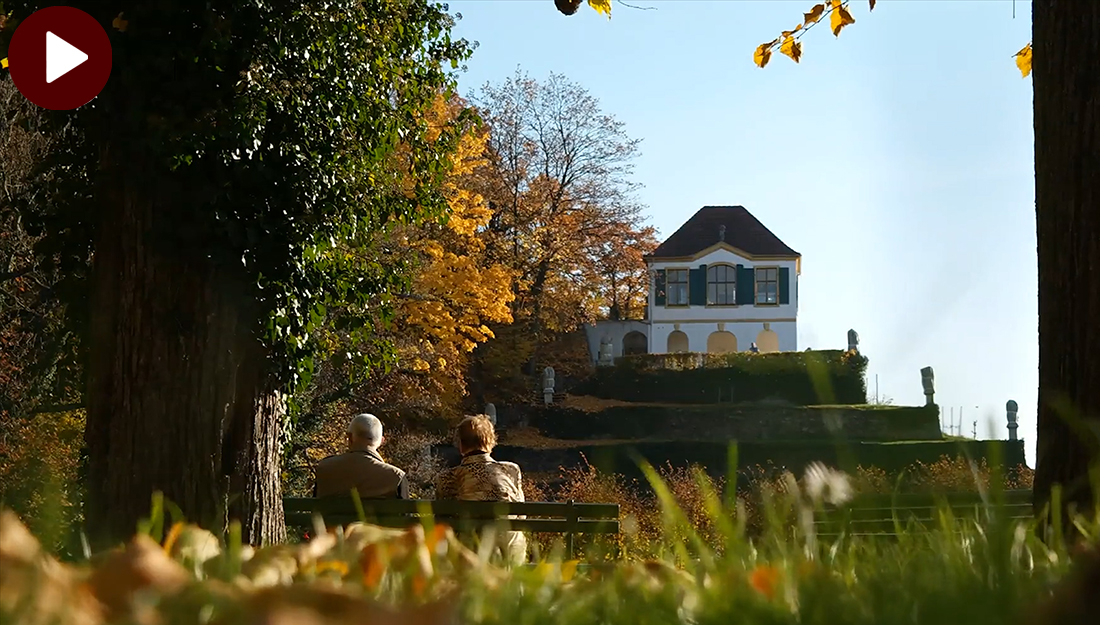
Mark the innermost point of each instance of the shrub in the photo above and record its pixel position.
(39, 463)
(800, 378)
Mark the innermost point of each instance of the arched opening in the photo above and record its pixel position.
(721, 342)
(635, 343)
(767, 341)
(677, 342)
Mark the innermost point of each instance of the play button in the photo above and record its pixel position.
(59, 58)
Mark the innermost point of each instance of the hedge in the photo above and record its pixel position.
(794, 455)
(726, 422)
(800, 378)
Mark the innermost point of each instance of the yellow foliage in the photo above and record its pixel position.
(601, 6)
(1023, 60)
(814, 14)
(456, 291)
(763, 54)
(791, 48)
(840, 17)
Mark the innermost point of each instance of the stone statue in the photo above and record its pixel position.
(928, 381)
(1012, 408)
(491, 412)
(853, 341)
(548, 385)
(607, 354)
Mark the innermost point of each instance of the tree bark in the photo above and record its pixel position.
(1066, 70)
(177, 393)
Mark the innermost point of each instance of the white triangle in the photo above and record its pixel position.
(62, 57)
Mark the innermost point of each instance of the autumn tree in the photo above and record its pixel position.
(1065, 56)
(453, 292)
(619, 271)
(558, 180)
(194, 209)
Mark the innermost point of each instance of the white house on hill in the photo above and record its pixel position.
(719, 284)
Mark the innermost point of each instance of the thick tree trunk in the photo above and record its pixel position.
(1066, 70)
(178, 400)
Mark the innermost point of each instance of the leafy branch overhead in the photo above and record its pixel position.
(569, 7)
(789, 41)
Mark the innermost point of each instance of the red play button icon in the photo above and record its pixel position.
(59, 58)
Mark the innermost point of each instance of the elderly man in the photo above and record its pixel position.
(361, 468)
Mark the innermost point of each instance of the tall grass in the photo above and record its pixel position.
(709, 568)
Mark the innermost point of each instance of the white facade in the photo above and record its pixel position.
(721, 283)
(771, 325)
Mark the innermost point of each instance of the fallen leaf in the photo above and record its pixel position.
(124, 573)
(791, 48)
(1023, 60)
(762, 55)
(840, 17)
(34, 587)
(814, 15)
(601, 6)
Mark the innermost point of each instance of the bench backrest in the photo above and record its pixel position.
(546, 517)
(876, 514)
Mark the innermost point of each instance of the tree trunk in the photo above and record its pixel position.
(177, 392)
(1066, 70)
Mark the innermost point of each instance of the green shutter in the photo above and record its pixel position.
(697, 286)
(746, 284)
(659, 288)
(784, 285)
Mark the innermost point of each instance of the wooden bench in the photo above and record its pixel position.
(876, 514)
(566, 518)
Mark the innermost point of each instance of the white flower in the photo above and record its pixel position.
(825, 484)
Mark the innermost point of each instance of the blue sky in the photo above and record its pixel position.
(897, 158)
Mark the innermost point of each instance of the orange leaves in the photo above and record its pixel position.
(840, 17)
(765, 579)
(788, 41)
(1023, 60)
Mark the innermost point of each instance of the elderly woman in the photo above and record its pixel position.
(481, 478)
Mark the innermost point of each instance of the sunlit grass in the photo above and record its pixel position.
(971, 567)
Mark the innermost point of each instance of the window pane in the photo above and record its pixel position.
(679, 292)
(712, 293)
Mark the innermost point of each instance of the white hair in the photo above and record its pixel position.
(366, 429)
